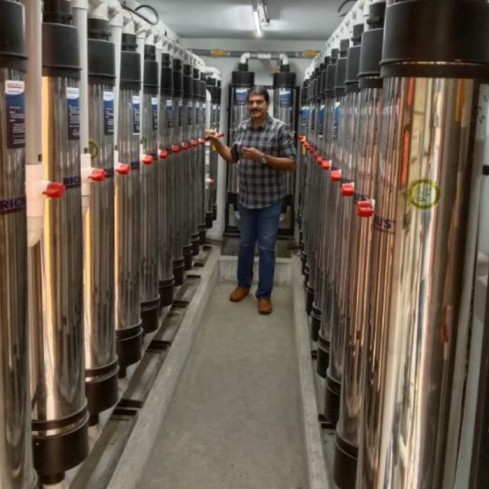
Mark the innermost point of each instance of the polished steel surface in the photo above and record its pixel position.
(16, 470)
(187, 178)
(149, 198)
(358, 292)
(99, 235)
(178, 179)
(128, 216)
(56, 273)
(165, 191)
(418, 246)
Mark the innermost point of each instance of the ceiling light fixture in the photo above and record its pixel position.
(256, 17)
(262, 9)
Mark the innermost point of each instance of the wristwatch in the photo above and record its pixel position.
(264, 159)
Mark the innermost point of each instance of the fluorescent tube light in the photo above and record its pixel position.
(256, 17)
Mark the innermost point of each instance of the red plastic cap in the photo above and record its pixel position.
(347, 190)
(163, 154)
(124, 169)
(212, 181)
(185, 146)
(326, 164)
(201, 141)
(319, 160)
(335, 175)
(175, 149)
(365, 209)
(55, 190)
(148, 160)
(98, 175)
(194, 142)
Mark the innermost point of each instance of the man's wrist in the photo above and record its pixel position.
(264, 159)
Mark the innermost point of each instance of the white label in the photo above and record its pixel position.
(169, 104)
(14, 87)
(108, 96)
(72, 93)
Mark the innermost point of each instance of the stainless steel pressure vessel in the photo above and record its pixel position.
(16, 467)
(59, 406)
(101, 365)
(166, 185)
(149, 292)
(128, 210)
(420, 231)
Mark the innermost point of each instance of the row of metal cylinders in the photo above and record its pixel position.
(385, 236)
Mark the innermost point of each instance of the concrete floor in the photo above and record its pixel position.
(235, 421)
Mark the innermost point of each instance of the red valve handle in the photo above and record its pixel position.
(163, 154)
(212, 181)
(98, 175)
(335, 175)
(315, 154)
(326, 164)
(175, 149)
(148, 160)
(185, 146)
(365, 209)
(194, 143)
(319, 160)
(124, 169)
(347, 189)
(55, 190)
(201, 141)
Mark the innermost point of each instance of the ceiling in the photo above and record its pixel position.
(233, 19)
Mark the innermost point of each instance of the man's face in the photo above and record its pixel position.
(257, 106)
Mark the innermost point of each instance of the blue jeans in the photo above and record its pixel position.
(258, 225)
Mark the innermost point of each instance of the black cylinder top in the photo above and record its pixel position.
(284, 80)
(357, 34)
(436, 38)
(376, 15)
(284, 68)
(101, 61)
(243, 67)
(12, 36)
(150, 71)
(340, 78)
(177, 78)
(243, 78)
(327, 61)
(187, 81)
(165, 60)
(344, 45)
(129, 42)
(149, 52)
(196, 74)
(187, 70)
(353, 65)
(211, 82)
(334, 55)
(57, 12)
(98, 29)
(330, 79)
(219, 83)
(166, 82)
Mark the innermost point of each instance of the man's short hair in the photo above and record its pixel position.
(259, 90)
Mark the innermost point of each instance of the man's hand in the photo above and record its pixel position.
(211, 135)
(251, 154)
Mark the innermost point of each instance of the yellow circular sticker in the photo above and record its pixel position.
(424, 194)
(93, 149)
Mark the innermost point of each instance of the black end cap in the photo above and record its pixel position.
(345, 464)
(166, 82)
(371, 53)
(244, 79)
(57, 12)
(178, 271)
(150, 315)
(98, 29)
(60, 53)
(151, 74)
(332, 400)
(284, 80)
(102, 392)
(101, 60)
(129, 42)
(129, 346)
(167, 291)
(322, 361)
(130, 70)
(12, 36)
(340, 78)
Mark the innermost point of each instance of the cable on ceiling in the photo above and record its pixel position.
(135, 11)
(340, 8)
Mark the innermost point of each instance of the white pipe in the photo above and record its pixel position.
(284, 59)
(98, 9)
(35, 182)
(244, 58)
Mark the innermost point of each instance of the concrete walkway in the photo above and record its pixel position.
(235, 421)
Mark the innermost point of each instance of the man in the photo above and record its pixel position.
(265, 150)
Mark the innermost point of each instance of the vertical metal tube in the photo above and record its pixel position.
(419, 239)
(204, 192)
(166, 185)
(150, 298)
(16, 469)
(101, 366)
(128, 211)
(59, 408)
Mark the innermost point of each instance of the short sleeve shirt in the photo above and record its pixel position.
(259, 185)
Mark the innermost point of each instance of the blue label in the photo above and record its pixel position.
(72, 182)
(73, 110)
(241, 96)
(336, 120)
(322, 111)
(169, 114)
(285, 97)
(154, 112)
(16, 204)
(108, 113)
(135, 165)
(136, 115)
(15, 112)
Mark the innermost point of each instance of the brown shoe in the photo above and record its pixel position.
(238, 294)
(264, 306)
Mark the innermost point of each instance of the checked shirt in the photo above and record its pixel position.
(259, 185)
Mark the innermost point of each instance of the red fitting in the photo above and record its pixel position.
(163, 154)
(185, 146)
(335, 175)
(55, 190)
(201, 141)
(124, 169)
(212, 181)
(148, 160)
(98, 175)
(319, 160)
(347, 189)
(365, 209)
(326, 164)
(175, 149)
(220, 134)
(194, 143)
(315, 154)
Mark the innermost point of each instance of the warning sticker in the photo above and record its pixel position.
(108, 113)
(136, 115)
(15, 112)
(73, 112)
(424, 194)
